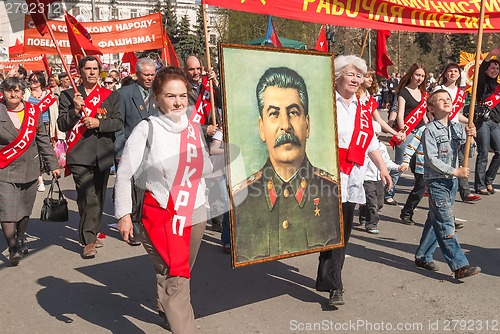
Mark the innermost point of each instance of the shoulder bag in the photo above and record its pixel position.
(54, 209)
(138, 191)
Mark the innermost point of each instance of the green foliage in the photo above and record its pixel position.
(243, 27)
(187, 41)
(170, 22)
(199, 33)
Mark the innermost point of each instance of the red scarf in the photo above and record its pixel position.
(361, 139)
(27, 133)
(370, 105)
(170, 229)
(458, 103)
(91, 103)
(492, 100)
(203, 106)
(412, 119)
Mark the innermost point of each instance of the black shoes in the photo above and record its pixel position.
(336, 298)
(216, 227)
(407, 220)
(427, 265)
(467, 271)
(21, 246)
(458, 226)
(15, 257)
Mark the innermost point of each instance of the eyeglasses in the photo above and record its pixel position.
(352, 75)
(34, 80)
(108, 82)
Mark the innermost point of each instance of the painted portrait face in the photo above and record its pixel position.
(172, 99)
(284, 126)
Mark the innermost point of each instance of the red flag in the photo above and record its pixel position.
(46, 65)
(16, 49)
(271, 36)
(130, 57)
(321, 43)
(79, 39)
(39, 17)
(168, 52)
(383, 60)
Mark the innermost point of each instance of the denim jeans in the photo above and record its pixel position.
(440, 225)
(399, 151)
(488, 134)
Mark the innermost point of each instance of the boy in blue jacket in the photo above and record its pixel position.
(441, 142)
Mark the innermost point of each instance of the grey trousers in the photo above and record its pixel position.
(173, 292)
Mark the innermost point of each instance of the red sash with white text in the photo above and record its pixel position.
(492, 100)
(91, 103)
(171, 235)
(361, 138)
(370, 105)
(27, 133)
(412, 120)
(203, 106)
(458, 103)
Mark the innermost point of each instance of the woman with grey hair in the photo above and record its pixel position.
(355, 140)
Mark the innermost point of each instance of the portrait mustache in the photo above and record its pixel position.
(287, 138)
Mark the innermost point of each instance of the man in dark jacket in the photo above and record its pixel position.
(91, 116)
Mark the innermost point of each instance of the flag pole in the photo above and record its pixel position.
(474, 85)
(57, 46)
(209, 66)
(364, 43)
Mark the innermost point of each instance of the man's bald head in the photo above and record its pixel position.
(193, 68)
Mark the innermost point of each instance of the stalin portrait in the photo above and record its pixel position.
(288, 206)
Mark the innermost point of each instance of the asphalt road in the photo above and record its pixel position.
(54, 290)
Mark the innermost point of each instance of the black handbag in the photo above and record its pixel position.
(54, 209)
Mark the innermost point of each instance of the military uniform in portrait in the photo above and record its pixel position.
(278, 218)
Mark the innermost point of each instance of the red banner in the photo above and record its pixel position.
(450, 16)
(137, 34)
(29, 62)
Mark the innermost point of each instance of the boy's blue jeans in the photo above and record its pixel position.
(440, 225)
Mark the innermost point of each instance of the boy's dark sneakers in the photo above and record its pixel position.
(336, 298)
(407, 220)
(427, 265)
(458, 226)
(467, 271)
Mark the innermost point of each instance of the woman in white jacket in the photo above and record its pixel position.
(173, 214)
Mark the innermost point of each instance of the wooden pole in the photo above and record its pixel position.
(57, 46)
(474, 85)
(209, 66)
(364, 43)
